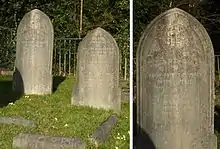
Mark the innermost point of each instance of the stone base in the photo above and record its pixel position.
(113, 105)
(144, 142)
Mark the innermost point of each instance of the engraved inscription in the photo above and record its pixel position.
(174, 82)
(98, 71)
(34, 53)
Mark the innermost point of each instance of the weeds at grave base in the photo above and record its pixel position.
(55, 116)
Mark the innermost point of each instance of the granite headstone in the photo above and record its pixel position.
(98, 72)
(175, 83)
(34, 49)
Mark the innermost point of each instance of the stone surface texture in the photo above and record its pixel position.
(17, 121)
(101, 133)
(175, 83)
(35, 141)
(98, 72)
(34, 49)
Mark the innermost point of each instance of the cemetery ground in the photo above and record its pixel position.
(55, 116)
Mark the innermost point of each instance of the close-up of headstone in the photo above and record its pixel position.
(175, 83)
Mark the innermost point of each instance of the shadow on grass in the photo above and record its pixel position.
(7, 95)
(57, 80)
(141, 138)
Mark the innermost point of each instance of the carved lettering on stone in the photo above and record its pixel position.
(34, 51)
(175, 83)
(98, 71)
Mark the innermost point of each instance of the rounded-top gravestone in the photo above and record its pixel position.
(34, 49)
(175, 83)
(98, 71)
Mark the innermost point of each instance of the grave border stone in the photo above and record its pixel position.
(102, 132)
(16, 121)
(38, 141)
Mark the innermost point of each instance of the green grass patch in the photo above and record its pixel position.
(55, 116)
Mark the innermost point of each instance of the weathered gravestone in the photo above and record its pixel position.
(36, 141)
(16, 121)
(175, 83)
(102, 132)
(98, 72)
(34, 51)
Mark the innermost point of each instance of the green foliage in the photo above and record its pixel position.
(113, 16)
(7, 47)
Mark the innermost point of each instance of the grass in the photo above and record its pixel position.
(55, 116)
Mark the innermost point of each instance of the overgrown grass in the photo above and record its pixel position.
(55, 116)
